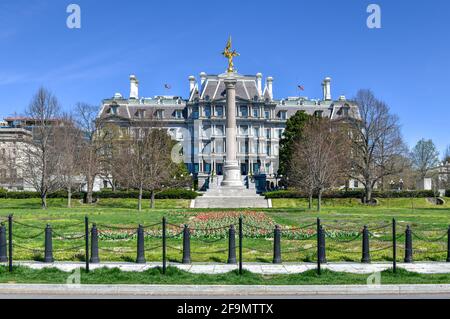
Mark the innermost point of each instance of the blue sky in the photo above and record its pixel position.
(406, 62)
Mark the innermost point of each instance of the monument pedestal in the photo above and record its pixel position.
(232, 175)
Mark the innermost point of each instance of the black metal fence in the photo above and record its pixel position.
(384, 237)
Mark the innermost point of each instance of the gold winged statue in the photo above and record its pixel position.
(230, 54)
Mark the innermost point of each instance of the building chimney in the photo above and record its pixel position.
(202, 78)
(269, 82)
(259, 83)
(134, 87)
(326, 89)
(191, 83)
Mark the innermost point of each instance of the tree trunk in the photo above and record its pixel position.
(69, 197)
(140, 199)
(310, 200)
(152, 199)
(368, 193)
(44, 200)
(90, 187)
(319, 200)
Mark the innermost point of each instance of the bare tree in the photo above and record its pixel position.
(424, 156)
(41, 157)
(68, 141)
(376, 142)
(323, 155)
(446, 157)
(146, 164)
(93, 145)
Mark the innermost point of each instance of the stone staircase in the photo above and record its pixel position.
(225, 197)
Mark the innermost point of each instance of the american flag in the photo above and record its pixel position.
(301, 87)
(167, 86)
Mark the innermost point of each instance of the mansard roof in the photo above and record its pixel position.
(213, 88)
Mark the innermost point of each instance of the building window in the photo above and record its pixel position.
(244, 147)
(207, 111)
(268, 149)
(256, 131)
(318, 114)
(219, 130)
(219, 146)
(114, 109)
(206, 148)
(282, 115)
(140, 113)
(219, 111)
(178, 114)
(159, 114)
(243, 111)
(206, 131)
(255, 112)
(266, 114)
(355, 184)
(243, 130)
(280, 133)
(255, 147)
(268, 133)
(195, 112)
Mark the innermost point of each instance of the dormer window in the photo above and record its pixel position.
(318, 114)
(178, 114)
(160, 114)
(114, 109)
(243, 111)
(140, 114)
(282, 115)
(207, 111)
(219, 111)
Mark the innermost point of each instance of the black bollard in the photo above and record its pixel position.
(277, 245)
(408, 245)
(95, 259)
(231, 245)
(318, 234)
(140, 259)
(448, 244)
(3, 249)
(10, 244)
(86, 242)
(394, 245)
(365, 246)
(241, 237)
(164, 245)
(322, 252)
(48, 257)
(186, 245)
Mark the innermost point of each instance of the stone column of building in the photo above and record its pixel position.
(232, 173)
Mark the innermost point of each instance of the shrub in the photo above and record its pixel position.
(166, 194)
(351, 194)
(447, 193)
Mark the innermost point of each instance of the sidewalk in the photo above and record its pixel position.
(258, 268)
(46, 291)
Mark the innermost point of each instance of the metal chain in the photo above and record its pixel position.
(342, 241)
(29, 237)
(431, 239)
(26, 225)
(70, 237)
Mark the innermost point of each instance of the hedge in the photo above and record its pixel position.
(447, 193)
(166, 194)
(350, 194)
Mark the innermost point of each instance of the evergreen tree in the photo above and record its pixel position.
(292, 133)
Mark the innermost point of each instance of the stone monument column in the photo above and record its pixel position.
(232, 173)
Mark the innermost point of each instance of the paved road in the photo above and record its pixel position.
(221, 292)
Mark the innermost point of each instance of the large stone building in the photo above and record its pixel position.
(198, 122)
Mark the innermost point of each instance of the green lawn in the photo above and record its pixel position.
(176, 276)
(342, 219)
